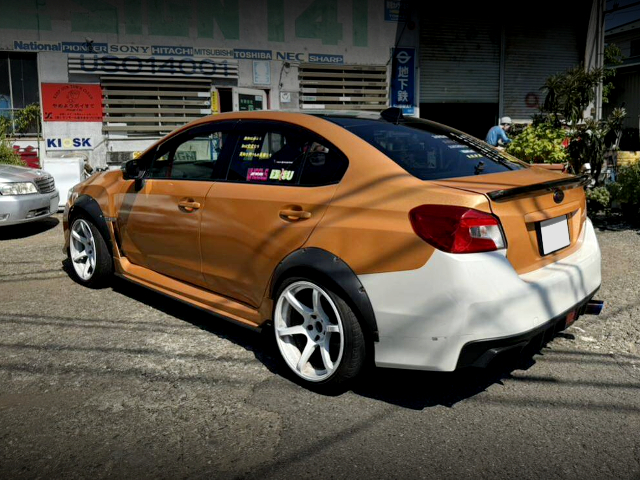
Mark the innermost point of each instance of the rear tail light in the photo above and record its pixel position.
(457, 229)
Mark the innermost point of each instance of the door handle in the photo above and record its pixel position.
(294, 215)
(188, 205)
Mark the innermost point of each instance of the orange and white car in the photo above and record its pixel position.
(356, 236)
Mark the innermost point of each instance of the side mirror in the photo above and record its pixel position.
(133, 171)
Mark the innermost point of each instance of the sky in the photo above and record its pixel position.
(623, 15)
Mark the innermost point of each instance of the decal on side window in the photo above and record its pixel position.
(257, 174)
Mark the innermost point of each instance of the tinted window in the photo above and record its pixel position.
(267, 157)
(192, 156)
(427, 151)
(323, 164)
(271, 153)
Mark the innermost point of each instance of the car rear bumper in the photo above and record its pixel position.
(432, 317)
(27, 208)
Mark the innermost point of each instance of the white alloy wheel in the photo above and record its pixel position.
(309, 331)
(82, 248)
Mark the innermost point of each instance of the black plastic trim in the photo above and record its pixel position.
(565, 183)
(336, 271)
(479, 353)
(90, 207)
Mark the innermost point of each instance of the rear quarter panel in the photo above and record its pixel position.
(367, 223)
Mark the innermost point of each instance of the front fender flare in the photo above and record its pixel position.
(90, 207)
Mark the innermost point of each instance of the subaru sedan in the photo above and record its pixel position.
(352, 236)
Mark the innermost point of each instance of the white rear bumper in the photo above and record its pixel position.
(426, 316)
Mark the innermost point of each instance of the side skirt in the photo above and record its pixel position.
(194, 296)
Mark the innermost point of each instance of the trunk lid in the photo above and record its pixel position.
(521, 199)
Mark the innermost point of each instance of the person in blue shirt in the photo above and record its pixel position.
(498, 135)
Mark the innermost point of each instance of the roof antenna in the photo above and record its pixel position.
(393, 115)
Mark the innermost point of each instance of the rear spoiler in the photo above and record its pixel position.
(563, 184)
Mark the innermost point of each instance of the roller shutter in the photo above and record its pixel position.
(459, 60)
(532, 55)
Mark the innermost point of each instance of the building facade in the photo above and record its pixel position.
(626, 92)
(112, 76)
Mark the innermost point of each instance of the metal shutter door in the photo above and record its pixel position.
(459, 60)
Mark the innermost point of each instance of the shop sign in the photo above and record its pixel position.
(403, 79)
(322, 58)
(63, 47)
(290, 56)
(253, 54)
(69, 143)
(396, 10)
(133, 65)
(71, 102)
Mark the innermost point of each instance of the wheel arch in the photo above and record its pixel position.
(324, 265)
(88, 206)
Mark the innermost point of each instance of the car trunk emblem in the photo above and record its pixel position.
(558, 196)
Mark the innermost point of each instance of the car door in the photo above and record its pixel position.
(266, 207)
(159, 224)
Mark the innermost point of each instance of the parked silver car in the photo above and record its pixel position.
(26, 194)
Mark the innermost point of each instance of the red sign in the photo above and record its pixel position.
(71, 102)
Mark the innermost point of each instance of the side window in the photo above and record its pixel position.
(267, 156)
(191, 156)
(323, 165)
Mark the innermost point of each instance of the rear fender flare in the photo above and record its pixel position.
(333, 270)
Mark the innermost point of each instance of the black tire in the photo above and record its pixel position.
(353, 355)
(101, 274)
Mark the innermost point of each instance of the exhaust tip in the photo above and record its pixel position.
(594, 307)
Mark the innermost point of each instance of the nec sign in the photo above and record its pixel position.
(76, 143)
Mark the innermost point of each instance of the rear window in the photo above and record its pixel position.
(428, 151)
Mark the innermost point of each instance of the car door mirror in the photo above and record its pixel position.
(132, 171)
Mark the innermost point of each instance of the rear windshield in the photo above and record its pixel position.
(429, 151)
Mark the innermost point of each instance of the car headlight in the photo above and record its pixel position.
(17, 188)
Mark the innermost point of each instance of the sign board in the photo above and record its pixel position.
(261, 72)
(396, 10)
(71, 102)
(69, 143)
(215, 101)
(403, 79)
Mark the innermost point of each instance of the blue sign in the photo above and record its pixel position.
(253, 54)
(322, 58)
(403, 79)
(171, 50)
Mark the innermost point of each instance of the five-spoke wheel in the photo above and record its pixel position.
(317, 334)
(82, 249)
(88, 252)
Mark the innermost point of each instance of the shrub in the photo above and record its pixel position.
(540, 143)
(598, 199)
(8, 155)
(626, 191)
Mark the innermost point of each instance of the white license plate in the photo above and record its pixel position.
(554, 234)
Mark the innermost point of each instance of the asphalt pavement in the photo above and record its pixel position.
(124, 383)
